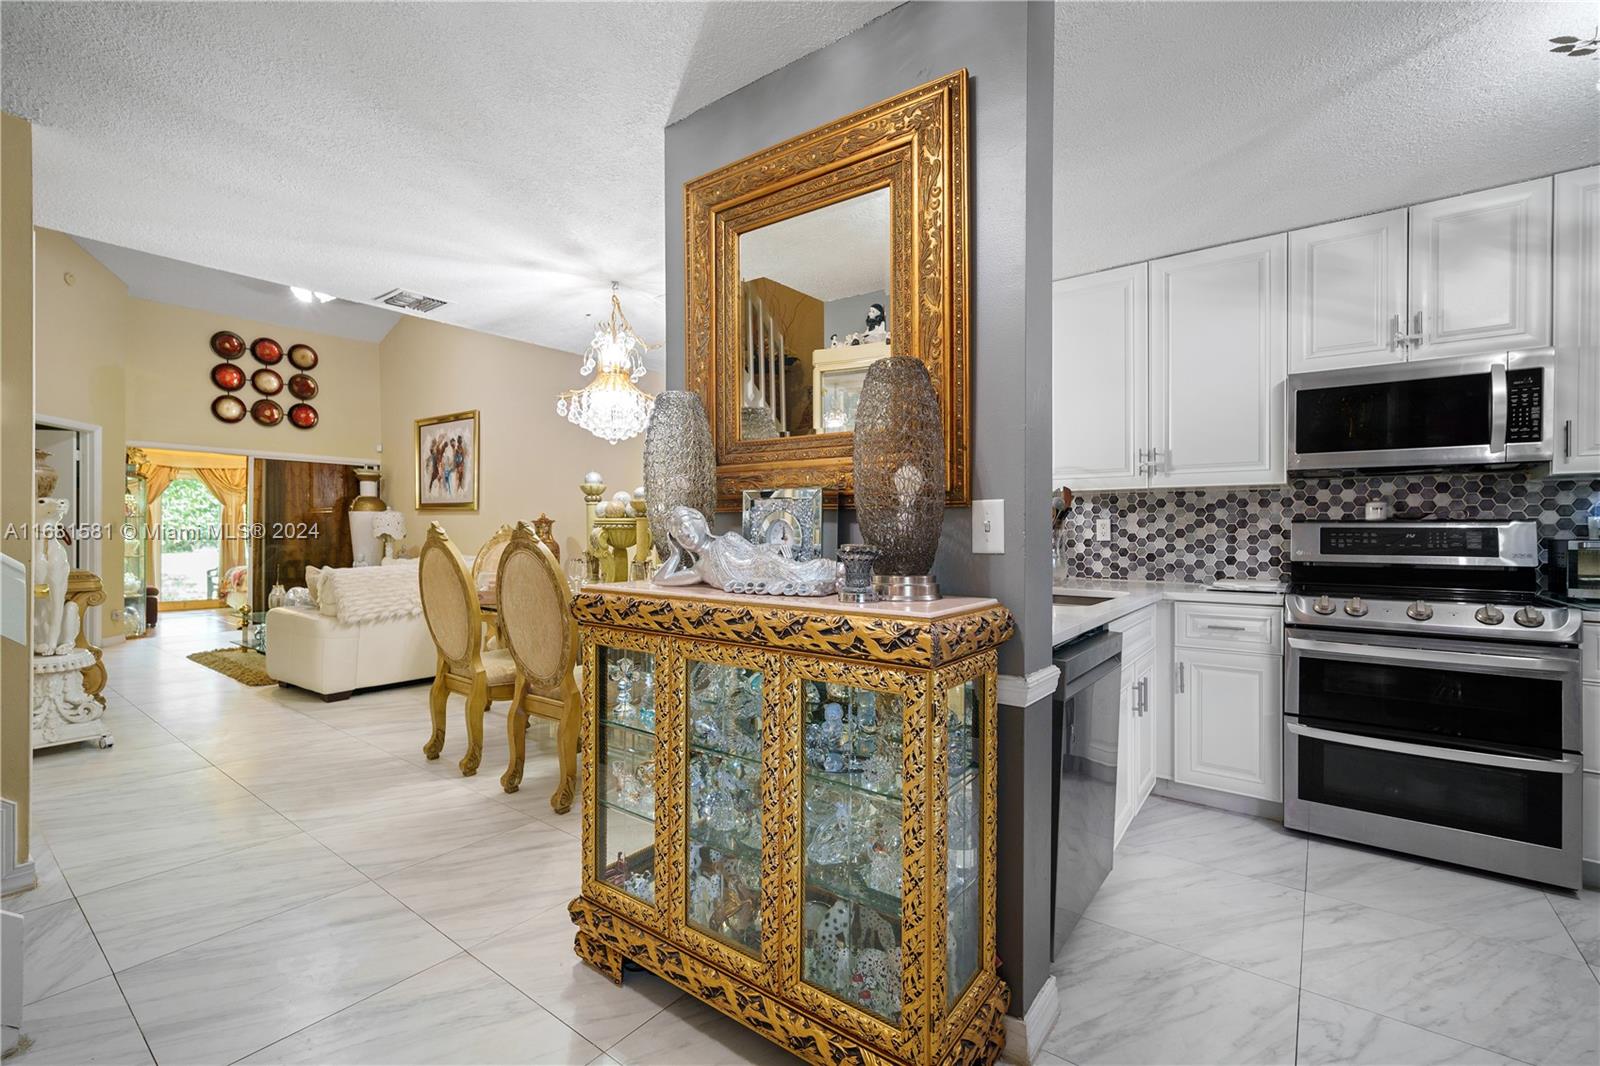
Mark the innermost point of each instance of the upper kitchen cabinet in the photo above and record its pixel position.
(1347, 293)
(1218, 354)
(1480, 272)
(1577, 322)
(1100, 380)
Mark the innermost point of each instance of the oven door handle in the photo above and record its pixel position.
(1522, 664)
(1478, 758)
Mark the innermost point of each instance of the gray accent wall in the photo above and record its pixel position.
(848, 314)
(1008, 51)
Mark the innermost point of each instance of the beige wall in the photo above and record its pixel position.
(532, 459)
(16, 444)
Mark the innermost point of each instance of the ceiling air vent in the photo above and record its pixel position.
(410, 301)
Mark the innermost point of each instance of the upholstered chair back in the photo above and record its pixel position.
(486, 564)
(449, 602)
(534, 615)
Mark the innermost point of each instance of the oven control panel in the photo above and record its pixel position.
(1429, 543)
(1543, 623)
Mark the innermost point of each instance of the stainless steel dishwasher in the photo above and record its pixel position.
(1084, 743)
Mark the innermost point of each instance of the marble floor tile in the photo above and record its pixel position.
(382, 840)
(1475, 903)
(1525, 1004)
(1254, 847)
(1127, 999)
(90, 1024)
(1254, 925)
(69, 772)
(456, 1012)
(537, 957)
(140, 920)
(689, 1033)
(242, 991)
(59, 951)
(1580, 913)
(1337, 1034)
(472, 893)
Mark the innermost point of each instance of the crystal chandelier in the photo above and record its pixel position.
(611, 406)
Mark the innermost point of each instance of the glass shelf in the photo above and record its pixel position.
(851, 845)
(724, 830)
(963, 800)
(625, 761)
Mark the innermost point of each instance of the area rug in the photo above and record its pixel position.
(245, 665)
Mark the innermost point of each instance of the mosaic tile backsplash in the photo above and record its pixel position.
(1204, 534)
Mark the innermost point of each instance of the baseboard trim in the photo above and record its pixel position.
(1227, 801)
(1024, 690)
(1025, 1036)
(14, 876)
(1591, 873)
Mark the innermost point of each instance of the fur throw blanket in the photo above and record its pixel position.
(370, 593)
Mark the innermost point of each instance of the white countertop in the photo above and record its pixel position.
(1126, 597)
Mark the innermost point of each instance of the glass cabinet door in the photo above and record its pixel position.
(963, 801)
(850, 848)
(625, 764)
(723, 813)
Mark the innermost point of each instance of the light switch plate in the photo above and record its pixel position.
(1102, 529)
(988, 527)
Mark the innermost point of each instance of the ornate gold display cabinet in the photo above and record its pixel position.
(790, 814)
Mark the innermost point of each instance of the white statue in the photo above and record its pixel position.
(733, 564)
(55, 621)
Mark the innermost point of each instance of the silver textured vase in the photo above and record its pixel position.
(900, 476)
(679, 462)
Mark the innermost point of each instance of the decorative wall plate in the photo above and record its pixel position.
(228, 408)
(267, 382)
(303, 356)
(302, 386)
(227, 344)
(227, 376)
(266, 350)
(266, 412)
(303, 416)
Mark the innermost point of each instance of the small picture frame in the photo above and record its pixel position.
(447, 462)
(788, 518)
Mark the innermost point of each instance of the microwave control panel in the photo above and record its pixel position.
(1524, 406)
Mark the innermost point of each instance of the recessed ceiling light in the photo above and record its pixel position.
(306, 296)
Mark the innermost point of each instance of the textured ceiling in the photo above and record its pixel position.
(169, 281)
(1185, 125)
(506, 158)
(837, 251)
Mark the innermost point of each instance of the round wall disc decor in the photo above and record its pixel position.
(266, 412)
(228, 408)
(227, 376)
(266, 350)
(227, 344)
(303, 386)
(303, 356)
(267, 382)
(303, 415)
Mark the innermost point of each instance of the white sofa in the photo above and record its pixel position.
(316, 651)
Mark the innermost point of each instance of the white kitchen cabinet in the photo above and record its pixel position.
(1480, 271)
(1576, 325)
(1100, 378)
(1218, 355)
(1227, 725)
(1136, 748)
(1347, 293)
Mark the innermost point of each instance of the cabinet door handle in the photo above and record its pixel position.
(1416, 326)
(1180, 676)
(1144, 696)
(1566, 440)
(1397, 337)
(1230, 629)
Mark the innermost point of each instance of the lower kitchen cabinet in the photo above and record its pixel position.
(1136, 749)
(1227, 722)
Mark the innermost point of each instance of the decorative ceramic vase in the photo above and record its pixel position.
(899, 475)
(44, 475)
(277, 596)
(679, 462)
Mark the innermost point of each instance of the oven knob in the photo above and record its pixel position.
(1355, 607)
(1529, 617)
(1419, 611)
(1489, 615)
(1323, 605)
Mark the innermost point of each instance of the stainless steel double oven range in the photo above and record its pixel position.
(1432, 698)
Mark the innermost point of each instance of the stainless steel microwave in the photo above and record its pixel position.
(1482, 410)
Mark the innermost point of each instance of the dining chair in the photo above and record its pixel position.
(542, 638)
(455, 620)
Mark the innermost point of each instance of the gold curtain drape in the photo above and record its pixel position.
(156, 480)
(228, 485)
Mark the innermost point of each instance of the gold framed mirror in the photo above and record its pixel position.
(809, 260)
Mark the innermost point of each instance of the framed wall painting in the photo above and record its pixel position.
(447, 462)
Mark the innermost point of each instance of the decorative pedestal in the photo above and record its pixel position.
(63, 712)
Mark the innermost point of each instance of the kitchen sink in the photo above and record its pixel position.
(1081, 599)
